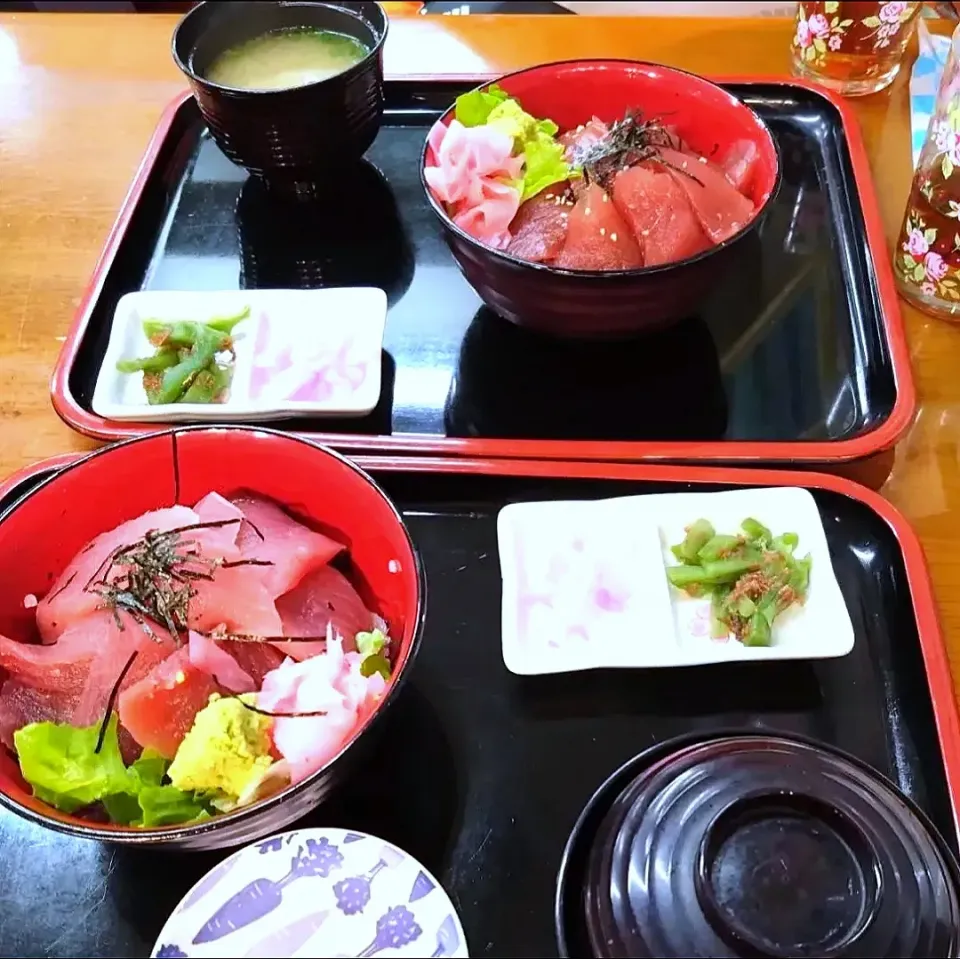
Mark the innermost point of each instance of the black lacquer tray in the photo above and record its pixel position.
(481, 774)
(802, 361)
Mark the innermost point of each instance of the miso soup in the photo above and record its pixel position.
(286, 58)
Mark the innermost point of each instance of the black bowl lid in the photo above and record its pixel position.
(768, 847)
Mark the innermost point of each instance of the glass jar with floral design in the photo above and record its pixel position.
(926, 259)
(853, 48)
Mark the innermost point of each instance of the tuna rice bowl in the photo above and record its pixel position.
(192, 660)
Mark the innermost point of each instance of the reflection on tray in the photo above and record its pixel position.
(514, 383)
(350, 236)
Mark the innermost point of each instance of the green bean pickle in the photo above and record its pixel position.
(185, 366)
(751, 577)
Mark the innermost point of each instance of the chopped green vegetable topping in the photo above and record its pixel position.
(61, 764)
(184, 368)
(375, 664)
(751, 577)
(370, 646)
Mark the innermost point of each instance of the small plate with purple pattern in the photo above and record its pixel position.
(315, 892)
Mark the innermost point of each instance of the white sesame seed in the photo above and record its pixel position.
(603, 231)
(613, 236)
(645, 232)
(586, 212)
(606, 199)
(703, 159)
(549, 196)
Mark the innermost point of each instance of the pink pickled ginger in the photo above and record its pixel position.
(331, 682)
(474, 174)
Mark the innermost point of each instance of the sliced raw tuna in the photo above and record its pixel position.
(291, 547)
(159, 710)
(739, 163)
(207, 656)
(539, 229)
(324, 598)
(114, 652)
(660, 215)
(721, 209)
(579, 141)
(255, 659)
(598, 238)
(213, 508)
(64, 666)
(68, 599)
(236, 598)
(676, 140)
(22, 704)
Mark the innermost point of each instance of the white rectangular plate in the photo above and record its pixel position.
(300, 353)
(584, 583)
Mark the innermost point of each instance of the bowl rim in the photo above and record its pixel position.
(356, 68)
(130, 835)
(614, 785)
(606, 275)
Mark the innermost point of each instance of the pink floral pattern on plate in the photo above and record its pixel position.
(577, 593)
(301, 370)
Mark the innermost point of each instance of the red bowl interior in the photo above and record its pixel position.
(707, 117)
(42, 534)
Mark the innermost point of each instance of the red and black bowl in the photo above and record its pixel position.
(755, 844)
(45, 529)
(297, 137)
(580, 303)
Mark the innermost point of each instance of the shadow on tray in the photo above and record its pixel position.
(146, 886)
(784, 687)
(511, 382)
(349, 236)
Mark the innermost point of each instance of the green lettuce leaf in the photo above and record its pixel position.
(59, 762)
(543, 166)
(63, 769)
(169, 806)
(548, 127)
(150, 768)
(123, 809)
(473, 109)
(544, 163)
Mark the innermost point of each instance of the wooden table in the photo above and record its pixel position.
(80, 94)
